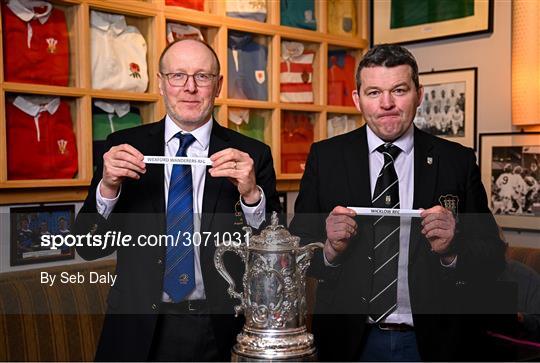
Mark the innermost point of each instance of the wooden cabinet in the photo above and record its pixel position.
(151, 18)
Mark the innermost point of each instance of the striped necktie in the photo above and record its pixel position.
(179, 278)
(385, 238)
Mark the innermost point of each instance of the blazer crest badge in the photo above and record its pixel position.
(450, 202)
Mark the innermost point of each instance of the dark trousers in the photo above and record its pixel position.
(184, 338)
(389, 346)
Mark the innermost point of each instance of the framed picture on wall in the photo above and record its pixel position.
(448, 109)
(411, 21)
(32, 227)
(510, 167)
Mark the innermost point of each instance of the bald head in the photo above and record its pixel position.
(192, 42)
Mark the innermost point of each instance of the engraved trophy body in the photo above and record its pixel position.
(273, 300)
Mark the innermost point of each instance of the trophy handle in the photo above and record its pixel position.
(304, 255)
(220, 266)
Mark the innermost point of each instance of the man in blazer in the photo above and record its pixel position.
(455, 240)
(144, 320)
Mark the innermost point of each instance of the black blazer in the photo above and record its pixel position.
(133, 301)
(337, 173)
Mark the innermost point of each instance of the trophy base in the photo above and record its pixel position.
(274, 345)
(235, 357)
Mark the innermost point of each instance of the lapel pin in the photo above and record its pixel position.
(429, 160)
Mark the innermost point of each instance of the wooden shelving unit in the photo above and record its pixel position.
(151, 18)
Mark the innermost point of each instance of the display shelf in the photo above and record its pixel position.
(15, 195)
(127, 7)
(342, 109)
(151, 18)
(40, 89)
(125, 96)
(251, 103)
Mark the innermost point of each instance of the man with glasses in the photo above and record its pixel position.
(169, 302)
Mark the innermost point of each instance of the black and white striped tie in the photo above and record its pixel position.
(385, 238)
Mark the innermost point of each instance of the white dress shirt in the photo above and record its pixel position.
(255, 216)
(404, 165)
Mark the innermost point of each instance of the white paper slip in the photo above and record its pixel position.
(361, 211)
(184, 160)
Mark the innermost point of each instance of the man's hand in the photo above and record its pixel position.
(119, 163)
(439, 226)
(237, 166)
(340, 228)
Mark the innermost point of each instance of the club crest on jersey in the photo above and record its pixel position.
(308, 16)
(258, 4)
(62, 145)
(305, 77)
(260, 76)
(51, 45)
(135, 70)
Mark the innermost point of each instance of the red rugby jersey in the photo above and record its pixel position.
(191, 4)
(296, 73)
(41, 143)
(296, 139)
(341, 82)
(36, 43)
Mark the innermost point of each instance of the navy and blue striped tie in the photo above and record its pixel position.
(179, 278)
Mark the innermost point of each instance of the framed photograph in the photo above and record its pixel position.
(29, 224)
(448, 109)
(510, 167)
(411, 21)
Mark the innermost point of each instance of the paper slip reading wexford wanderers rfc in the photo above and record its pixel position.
(184, 160)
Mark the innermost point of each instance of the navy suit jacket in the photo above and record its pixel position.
(133, 302)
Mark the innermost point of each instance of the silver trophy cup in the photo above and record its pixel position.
(273, 298)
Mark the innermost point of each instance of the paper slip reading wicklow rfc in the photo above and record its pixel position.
(184, 160)
(386, 212)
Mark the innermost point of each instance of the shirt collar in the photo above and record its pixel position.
(337, 57)
(24, 9)
(106, 21)
(239, 115)
(291, 50)
(405, 142)
(120, 108)
(33, 105)
(181, 31)
(201, 134)
(238, 40)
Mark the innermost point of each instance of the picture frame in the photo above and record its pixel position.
(406, 22)
(449, 105)
(514, 200)
(28, 224)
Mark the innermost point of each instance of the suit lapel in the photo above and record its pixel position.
(425, 179)
(212, 186)
(356, 156)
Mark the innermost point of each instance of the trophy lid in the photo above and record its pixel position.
(275, 237)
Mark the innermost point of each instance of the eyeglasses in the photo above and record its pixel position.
(179, 79)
